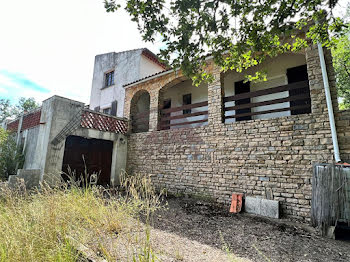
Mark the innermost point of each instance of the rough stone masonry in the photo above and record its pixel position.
(247, 157)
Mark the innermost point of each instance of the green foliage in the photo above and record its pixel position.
(341, 62)
(3, 136)
(23, 105)
(12, 157)
(238, 34)
(5, 109)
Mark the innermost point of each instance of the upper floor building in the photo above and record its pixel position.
(113, 70)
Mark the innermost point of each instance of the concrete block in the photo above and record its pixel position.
(269, 208)
(31, 178)
(252, 205)
(262, 207)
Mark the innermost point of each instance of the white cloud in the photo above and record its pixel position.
(3, 91)
(53, 43)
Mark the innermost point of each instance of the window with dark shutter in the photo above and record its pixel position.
(297, 74)
(242, 87)
(186, 100)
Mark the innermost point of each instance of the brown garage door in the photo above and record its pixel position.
(97, 156)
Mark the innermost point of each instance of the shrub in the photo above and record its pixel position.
(11, 156)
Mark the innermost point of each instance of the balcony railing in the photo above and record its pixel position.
(173, 117)
(298, 98)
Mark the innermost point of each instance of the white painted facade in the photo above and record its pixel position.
(128, 66)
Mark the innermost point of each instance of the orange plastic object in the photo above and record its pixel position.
(236, 203)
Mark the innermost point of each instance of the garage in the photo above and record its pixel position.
(90, 156)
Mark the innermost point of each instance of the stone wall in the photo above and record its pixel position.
(343, 131)
(250, 157)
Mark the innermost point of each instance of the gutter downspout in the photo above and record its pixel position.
(329, 104)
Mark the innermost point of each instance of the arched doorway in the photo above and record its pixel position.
(139, 111)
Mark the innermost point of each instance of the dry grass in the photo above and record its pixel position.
(58, 224)
(91, 224)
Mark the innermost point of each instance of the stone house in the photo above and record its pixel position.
(260, 139)
(225, 137)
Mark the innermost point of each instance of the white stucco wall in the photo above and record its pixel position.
(147, 67)
(128, 66)
(30, 141)
(199, 94)
(276, 76)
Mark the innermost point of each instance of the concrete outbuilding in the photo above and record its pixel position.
(49, 149)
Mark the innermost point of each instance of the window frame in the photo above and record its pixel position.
(106, 78)
(107, 108)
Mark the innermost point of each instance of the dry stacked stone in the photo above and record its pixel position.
(257, 157)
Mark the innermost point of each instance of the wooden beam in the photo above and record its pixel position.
(184, 116)
(184, 123)
(268, 91)
(269, 111)
(190, 106)
(269, 102)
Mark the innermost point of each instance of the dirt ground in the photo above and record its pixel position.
(247, 236)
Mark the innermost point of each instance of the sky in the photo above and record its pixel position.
(47, 47)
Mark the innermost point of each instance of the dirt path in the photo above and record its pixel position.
(247, 236)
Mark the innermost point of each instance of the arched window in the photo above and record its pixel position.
(139, 111)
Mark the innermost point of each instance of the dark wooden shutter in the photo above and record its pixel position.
(297, 74)
(97, 109)
(186, 100)
(114, 108)
(166, 105)
(241, 88)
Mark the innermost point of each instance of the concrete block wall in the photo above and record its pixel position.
(247, 157)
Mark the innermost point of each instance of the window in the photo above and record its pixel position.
(186, 100)
(301, 106)
(241, 88)
(107, 111)
(109, 78)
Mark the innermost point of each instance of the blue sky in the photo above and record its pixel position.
(15, 85)
(47, 47)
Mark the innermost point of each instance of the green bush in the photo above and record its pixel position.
(11, 156)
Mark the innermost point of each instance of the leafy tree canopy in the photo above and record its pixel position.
(23, 105)
(237, 33)
(5, 109)
(341, 61)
